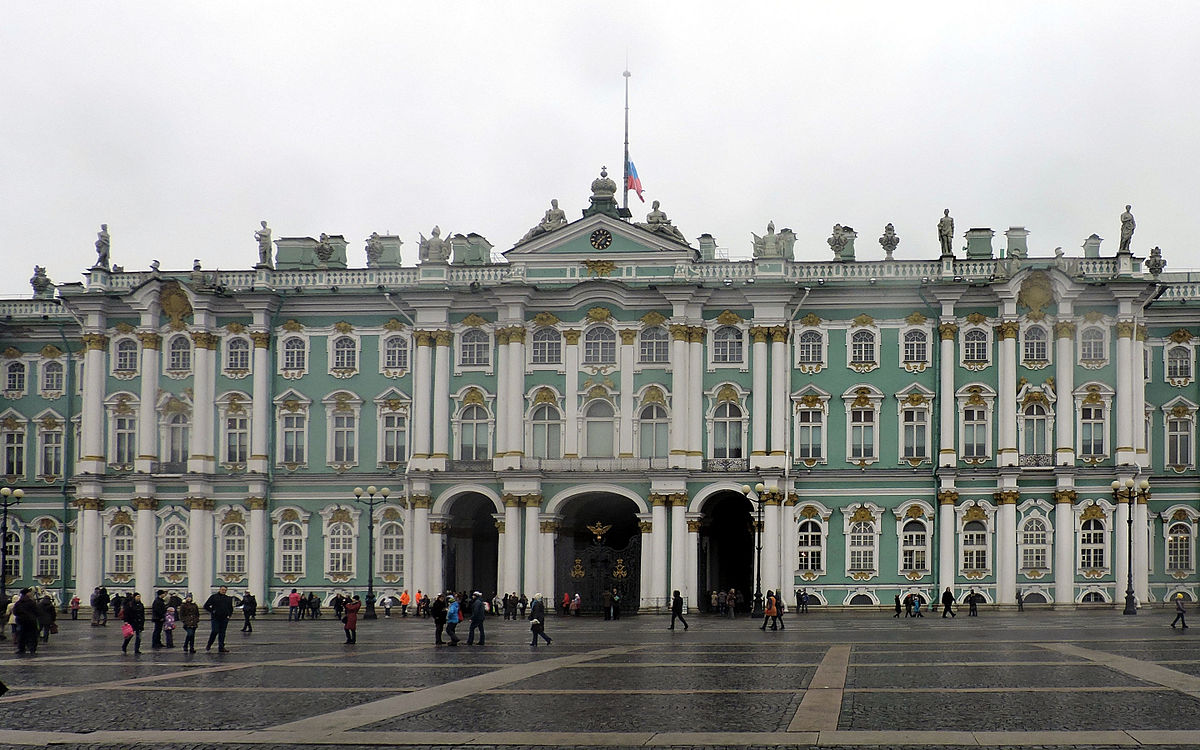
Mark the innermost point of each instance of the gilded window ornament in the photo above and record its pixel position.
(975, 513)
(473, 321)
(1093, 316)
(652, 319)
(915, 318)
(473, 396)
(727, 393)
(232, 517)
(1180, 336)
(977, 319)
(654, 395)
(1036, 293)
(729, 318)
(544, 319)
(599, 314)
(393, 325)
(862, 515)
(293, 326)
(1092, 513)
(121, 518)
(810, 320)
(50, 351)
(173, 301)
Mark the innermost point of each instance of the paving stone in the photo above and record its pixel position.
(973, 676)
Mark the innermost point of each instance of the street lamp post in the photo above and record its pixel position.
(758, 527)
(1125, 491)
(8, 498)
(371, 502)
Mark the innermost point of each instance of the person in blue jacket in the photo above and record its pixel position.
(452, 618)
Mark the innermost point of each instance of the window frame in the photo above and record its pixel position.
(391, 366)
(477, 341)
(47, 388)
(649, 349)
(546, 348)
(546, 426)
(239, 346)
(728, 346)
(1083, 341)
(178, 356)
(969, 341)
(599, 346)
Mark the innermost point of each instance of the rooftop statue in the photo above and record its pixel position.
(43, 287)
(602, 200)
(374, 249)
(263, 236)
(1127, 227)
(767, 246)
(102, 244)
(946, 233)
(889, 240)
(324, 249)
(554, 218)
(433, 248)
(657, 221)
(837, 241)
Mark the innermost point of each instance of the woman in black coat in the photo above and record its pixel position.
(249, 610)
(134, 614)
(537, 620)
(46, 616)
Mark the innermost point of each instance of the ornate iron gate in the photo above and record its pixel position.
(591, 570)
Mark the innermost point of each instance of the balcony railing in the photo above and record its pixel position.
(1037, 460)
(594, 464)
(460, 465)
(726, 464)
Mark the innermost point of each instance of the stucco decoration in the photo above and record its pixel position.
(1036, 293)
(174, 302)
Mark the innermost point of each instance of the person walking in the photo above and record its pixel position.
(220, 607)
(350, 618)
(189, 617)
(133, 612)
(158, 615)
(75, 607)
(478, 615)
(1179, 612)
(46, 617)
(314, 606)
(452, 618)
(908, 605)
(438, 610)
(769, 612)
(897, 606)
(524, 604)
(25, 619)
(102, 602)
(917, 606)
(948, 603)
(803, 601)
(677, 610)
(973, 603)
(249, 611)
(537, 621)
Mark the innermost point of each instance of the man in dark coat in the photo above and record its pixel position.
(537, 620)
(438, 610)
(677, 610)
(948, 603)
(25, 612)
(973, 601)
(220, 607)
(478, 615)
(47, 614)
(134, 613)
(102, 603)
(249, 610)
(158, 615)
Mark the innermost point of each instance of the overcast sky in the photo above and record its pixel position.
(183, 125)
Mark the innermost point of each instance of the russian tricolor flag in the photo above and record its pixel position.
(632, 182)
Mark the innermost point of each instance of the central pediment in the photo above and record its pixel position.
(601, 237)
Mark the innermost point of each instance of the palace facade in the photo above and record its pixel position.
(585, 413)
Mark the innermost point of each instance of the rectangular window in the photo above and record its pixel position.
(862, 552)
(654, 349)
(862, 433)
(234, 557)
(395, 439)
(237, 439)
(975, 430)
(14, 454)
(1033, 558)
(293, 439)
(123, 553)
(915, 429)
(915, 347)
(1091, 549)
(344, 434)
(291, 553)
(1091, 431)
(52, 377)
(52, 453)
(47, 554)
(914, 551)
(808, 434)
(125, 440)
(1179, 442)
(12, 556)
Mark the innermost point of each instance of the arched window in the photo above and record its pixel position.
(1091, 344)
(294, 353)
(1035, 344)
(1033, 430)
(1091, 544)
(291, 549)
(1035, 549)
(345, 353)
(975, 546)
(46, 559)
(599, 430)
(1179, 362)
(914, 547)
(391, 547)
(916, 346)
(179, 354)
(237, 354)
(599, 346)
(655, 345)
(546, 346)
(127, 356)
(1179, 547)
(809, 348)
(16, 377)
(473, 434)
(395, 353)
(862, 347)
(652, 432)
(233, 550)
(546, 423)
(475, 348)
(727, 345)
(175, 549)
(12, 554)
(121, 541)
(52, 377)
(178, 436)
(809, 546)
(727, 431)
(975, 346)
(862, 545)
(341, 549)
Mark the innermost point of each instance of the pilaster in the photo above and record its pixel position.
(147, 437)
(947, 499)
(1064, 548)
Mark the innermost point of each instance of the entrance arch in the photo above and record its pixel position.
(606, 556)
(726, 559)
(472, 550)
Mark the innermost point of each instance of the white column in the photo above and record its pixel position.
(646, 573)
(256, 554)
(1139, 401)
(947, 365)
(571, 393)
(202, 459)
(504, 406)
(147, 406)
(628, 337)
(945, 527)
(502, 537)
(1006, 453)
(679, 388)
(658, 571)
(1064, 548)
(695, 397)
(422, 392)
(441, 396)
(437, 537)
(516, 393)
(512, 544)
(548, 529)
(1125, 417)
(260, 412)
(145, 562)
(1006, 547)
(679, 537)
(1064, 386)
(94, 374)
(760, 410)
(770, 541)
(1121, 550)
(421, 574)
(89, 558)
(1141, 559)
(533, 546)
(412, 562)
(199, 546)
(781, 404)
(787, 552)
(692, 554)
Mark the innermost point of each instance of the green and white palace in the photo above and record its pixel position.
(586, 409)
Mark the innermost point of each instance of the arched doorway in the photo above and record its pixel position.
(598, 549)
(726, 558)
(472, 545)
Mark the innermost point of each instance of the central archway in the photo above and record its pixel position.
(472, 545)
(596, 560)
(727, 548)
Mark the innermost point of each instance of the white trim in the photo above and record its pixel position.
(875, 401)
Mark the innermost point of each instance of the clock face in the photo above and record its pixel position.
(601, 239)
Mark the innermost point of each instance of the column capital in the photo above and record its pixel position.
(424, 338)
(256, 503)
(779, 334)
(646, 527)
(571, 336)
(261, 339)
(948, 331)
(499, 525)
(1008, 329)
(1064, 329)
(516, 335)
(199, 503)
(548, 527)
(95, 341)
(145, 503)
(149, 339)
(679, 332)
(1125, 329)
(678, 498)
(438, 527)
(628, 336)
(89, 503)
(204, 340)
(420, 501)
(696, 335)
(443, 338)
(947, 497)
(1065, 496)
(693, 525)
(760, 333)
(657, 499)
(533, 500)
(510, 500)
(502, 337)
(1006, 497)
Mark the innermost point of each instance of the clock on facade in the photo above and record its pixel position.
(601, 239)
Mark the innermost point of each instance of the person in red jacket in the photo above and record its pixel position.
(351, 619)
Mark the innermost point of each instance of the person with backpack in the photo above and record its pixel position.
(780, 608)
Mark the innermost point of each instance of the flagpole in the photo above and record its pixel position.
(625, 194)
